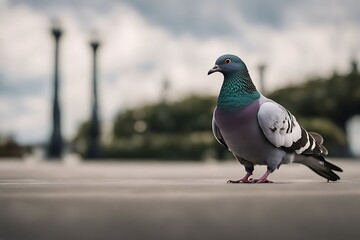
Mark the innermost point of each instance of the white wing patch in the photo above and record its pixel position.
(280, 126)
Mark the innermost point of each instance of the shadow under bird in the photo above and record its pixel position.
(259, 131)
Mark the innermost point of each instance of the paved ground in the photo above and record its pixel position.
(174, 201)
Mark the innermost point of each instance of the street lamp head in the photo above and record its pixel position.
(262, 66)
(94, 44)
(94, 39)
(56, 32)
(56, 28)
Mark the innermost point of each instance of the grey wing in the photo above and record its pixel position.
(217, 133)
(282, 130)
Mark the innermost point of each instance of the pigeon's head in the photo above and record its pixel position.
(229, 64)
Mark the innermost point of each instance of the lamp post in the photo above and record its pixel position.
(94, 150)
(165, 90)
(55, 146)
(262, 68)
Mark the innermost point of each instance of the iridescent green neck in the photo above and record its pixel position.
(237, 91)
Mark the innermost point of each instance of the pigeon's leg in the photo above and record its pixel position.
(263, 178)
(245, 179)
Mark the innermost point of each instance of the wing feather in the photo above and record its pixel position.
(217, 133)
(282, 130)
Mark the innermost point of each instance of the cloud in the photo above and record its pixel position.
(25, 119)
(141, 45)
(134, 59)
(24, 66)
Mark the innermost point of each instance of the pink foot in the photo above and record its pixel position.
(243, 180)
(263, 179)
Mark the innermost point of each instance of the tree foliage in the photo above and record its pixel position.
(178, 130)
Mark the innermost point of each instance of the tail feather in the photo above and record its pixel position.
(319, 140)
(319, 165)
(332, 166)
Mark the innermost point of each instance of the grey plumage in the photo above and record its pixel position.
(260, 131)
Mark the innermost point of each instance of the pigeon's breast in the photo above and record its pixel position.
(242, 134)
(230, 119)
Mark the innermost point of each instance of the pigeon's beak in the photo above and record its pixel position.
(216, 68)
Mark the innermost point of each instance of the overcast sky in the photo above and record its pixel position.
(144, 42)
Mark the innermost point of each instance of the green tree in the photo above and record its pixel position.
(177, 130)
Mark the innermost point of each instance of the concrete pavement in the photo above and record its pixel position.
(143, 200)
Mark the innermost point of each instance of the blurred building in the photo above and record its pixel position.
(353, 135)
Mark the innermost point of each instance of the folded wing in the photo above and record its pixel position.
(282, 130)
(216, 132)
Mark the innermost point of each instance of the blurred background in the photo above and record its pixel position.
(127, 79)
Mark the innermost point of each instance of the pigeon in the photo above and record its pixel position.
(259, 131)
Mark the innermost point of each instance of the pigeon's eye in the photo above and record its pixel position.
(227, 61)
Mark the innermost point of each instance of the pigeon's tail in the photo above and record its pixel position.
(319, 140)
(318, 164)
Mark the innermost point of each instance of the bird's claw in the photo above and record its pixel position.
(250, 180)
(261, 180)
(240, 181)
